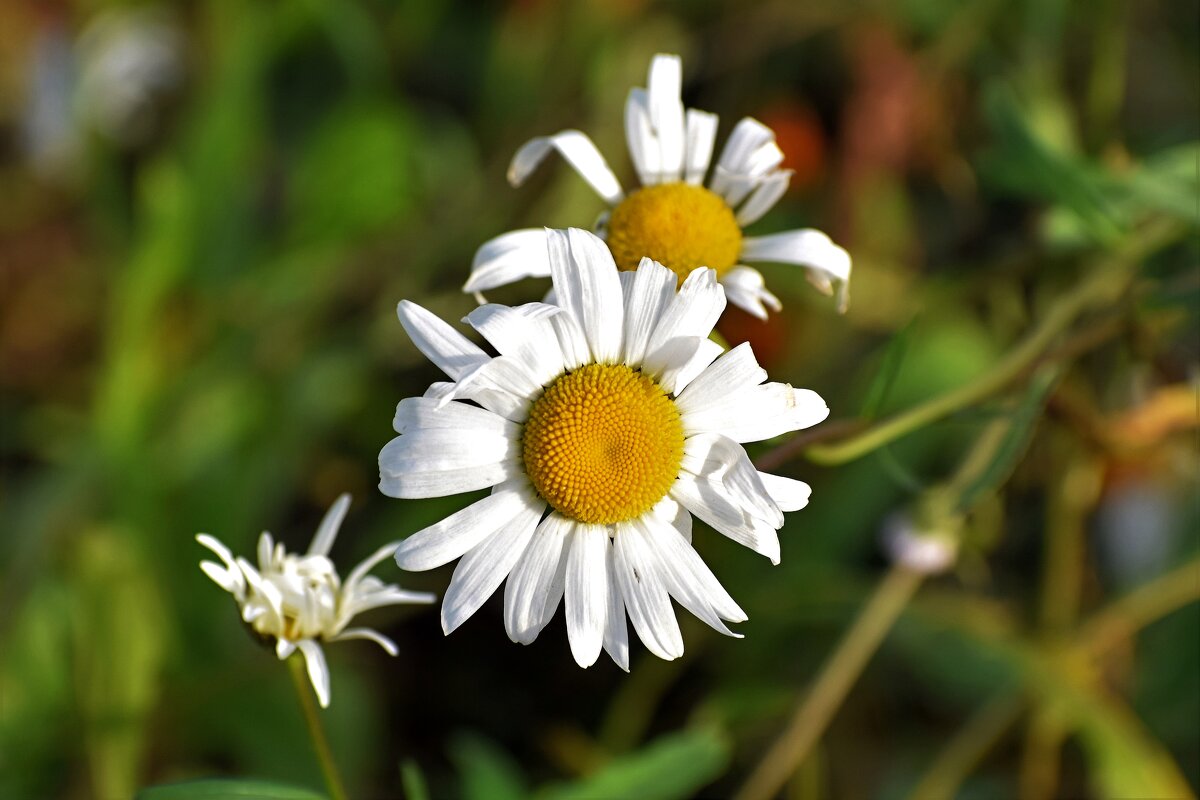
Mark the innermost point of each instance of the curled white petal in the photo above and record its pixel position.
(828, 265)
(579, 151)
(746, 289)
(508, 258)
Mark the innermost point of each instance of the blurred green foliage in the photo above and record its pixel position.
(197, 333)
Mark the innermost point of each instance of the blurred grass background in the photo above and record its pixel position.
(209, 210)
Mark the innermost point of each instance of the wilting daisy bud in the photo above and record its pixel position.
(299, 600)
(131, 62)
(924, 548)
(676, 218)
(601, 427)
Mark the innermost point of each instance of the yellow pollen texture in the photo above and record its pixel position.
(679, 225)
(603, 444)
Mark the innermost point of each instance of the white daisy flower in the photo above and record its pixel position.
(299, 599)
(613, 413)
(674, 218)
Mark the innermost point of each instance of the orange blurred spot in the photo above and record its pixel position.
(799, 135)
(767, 338)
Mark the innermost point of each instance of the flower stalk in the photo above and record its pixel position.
(316, 731)
(1103, 286)
(839, 674)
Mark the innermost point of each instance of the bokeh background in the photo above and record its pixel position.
(209, 210)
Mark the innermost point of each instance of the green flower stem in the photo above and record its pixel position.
(863, 638)
(963, 753)
(333, 779)
(1144, 605)
(832, 685)
(1104, 285)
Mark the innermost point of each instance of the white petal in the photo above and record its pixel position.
(788, 494)
(525, 335)
(827, 264)
(725, 465)
(706, 500)
(757, 413)
(585, 279)
(664, 88)
(390, 595)
(648, 292)
(417, 413)
(675, 515)
(284, 648)
(438, 449)
(734, 371)
(350, 585)
(579, 151)
(750, 153)
(616, 633)
(318, 671)
(701, 133)
(680, 377)
(503, 385)
(639, 135)
(507, 258)
(587, 591)
(693, 311)
(327, 531)
(228, 579)
(440, 483)
(645, 594)
(266, 548)
(367, 633)
(266, 594)
(745, 288)
(445, 541)
(484, 568)
(218, 547)
(688, 578)
(764, 198)
(530, 594)
(678, 361)
(571, 342)
(447, 348)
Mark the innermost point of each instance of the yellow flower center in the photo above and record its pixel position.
(679, 225)
(603, 444)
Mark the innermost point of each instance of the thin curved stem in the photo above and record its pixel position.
(968, 747)
(1144, 605)
(832, 685)
(1104, 285)
(312, 718)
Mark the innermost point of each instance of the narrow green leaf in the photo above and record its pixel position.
(881, 386)
(227, 789)
(1025, 163)
(1020, 430)
(415, 787)
(674, 766)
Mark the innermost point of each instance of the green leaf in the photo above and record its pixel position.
(1023, 421)
(486, 771)
(893, 356)
(415, 787)
(1025, 163)
(223, 788)
(674, 766)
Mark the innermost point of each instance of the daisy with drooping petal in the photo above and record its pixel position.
(674, 218)
(299, 599)
(604, 424)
